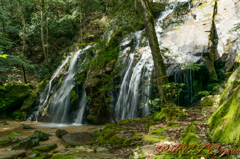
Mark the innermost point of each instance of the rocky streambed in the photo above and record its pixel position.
(132, 139)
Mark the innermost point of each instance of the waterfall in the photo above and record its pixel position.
(82, 105)
(60, 102)
(44, 96)
(129, 97)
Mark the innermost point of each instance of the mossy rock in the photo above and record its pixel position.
(169, 114)
(43, 84)
(59, 133)
(14, 96)
(27, 143)
(225, 121)
(191, 138)
(207, 101)
(45, 148)
(153, 138)
(125, 121)
(42, 136)
(29, 101)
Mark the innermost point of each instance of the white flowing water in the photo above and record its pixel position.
(60, 102)
(46, 92)
(82, 105)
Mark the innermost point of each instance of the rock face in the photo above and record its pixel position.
(228, 14)
(225, 120)
(77, 139)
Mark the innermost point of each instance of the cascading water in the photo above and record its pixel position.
(44, 96)
(82, 105)
(60, 102)
(129, 97)
(126, 104)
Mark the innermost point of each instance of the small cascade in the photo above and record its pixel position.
(82, 105)
(44, 96)
(59, 106)
(129, 97)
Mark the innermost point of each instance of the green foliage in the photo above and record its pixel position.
(205, 93)
(74, 95)
(174, 89)
(18, 115)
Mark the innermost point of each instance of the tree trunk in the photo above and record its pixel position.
(42, 31)
(160, 70)
(24, 41)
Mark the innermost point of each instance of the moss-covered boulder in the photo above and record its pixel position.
(13, 97)
(6, 141)
(28, 103)
(60, 132)
(225, 121)
(169, 114)
(42, 136)
(150, 139)
(45, 148)
(27, 143)
(207, 101)
(77, 139)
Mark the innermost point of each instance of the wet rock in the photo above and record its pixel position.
(27, 143)
(13, 154)
(45, 148)
(27, 127)
(42, 136)
(77, 139)
(60, 132)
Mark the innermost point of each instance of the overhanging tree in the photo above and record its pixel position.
(160, 70)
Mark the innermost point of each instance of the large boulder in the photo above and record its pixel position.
(77, 139)
(42, 136)
(225, 121)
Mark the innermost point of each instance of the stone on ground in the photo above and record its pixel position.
(77, 139)
(45, 148)
(13, 154)
(27, 143)
(60, 132)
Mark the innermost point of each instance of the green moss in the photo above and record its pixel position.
(29, 101)
(225, 120)
(169, 114)
(191, 138)
(153, 138)
(45, 148)
(42, 84)
(144, 119)
(172, 124)
(42, 136)
(125, 121)
(159, 131)
(5, 124)
(14, 96)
